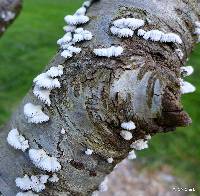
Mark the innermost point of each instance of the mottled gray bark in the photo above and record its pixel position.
(9, 10)
(98, 94)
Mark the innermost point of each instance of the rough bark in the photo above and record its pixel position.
(9, 10)
(98, 94)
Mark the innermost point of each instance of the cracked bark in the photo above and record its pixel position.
(9, 10)
(98, 94)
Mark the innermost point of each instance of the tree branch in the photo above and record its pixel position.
(98, 94)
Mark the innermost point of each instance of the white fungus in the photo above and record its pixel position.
(55, 71)
(131, 155)
(88, 152)
(186, 87)
(187, 70)
(139, 144)
(17, 141)
(171, 37)
(128, 125)
(157, 35)
(28, 193)
(42, 94)
(179, 52)
(43, 161)
(87, 4)
(65, 39)
(76, 19)
(34, 114)
(73, 49)
(131, 23)
(103, 187)
(141, 32)
(153, 35)
(62, 131)
(109, 52)
(43, 80)
(54, 178)
(35, 183)
(68, 52)
(124, 32)
(110, 160)
(125, 27)
(126, 135)
(81, 35)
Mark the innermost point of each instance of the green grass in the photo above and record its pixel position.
(30, 43)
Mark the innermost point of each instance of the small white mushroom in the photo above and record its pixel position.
(131, 23)
(43, 161)
(171, 37)
(124, 32)
(35, 183)
(69, 50)
(63, 131)
(126, 135)
(76, 19)
(187, 70)
(147, 137)
(154, 35)
(87, 3)
(17, 141)
(81, 11)
(186, 87)
(34, 114)
(42, 94)
(54, 178)
(88, 152)
(131, 155)
(141, 32)
(44, 81)
(81, 35)
(128, 125)
(65, 39)
(139, 144)
(109, 52)
(66, 54)
(55, 71)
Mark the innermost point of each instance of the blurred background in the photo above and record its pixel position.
(29, 44)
